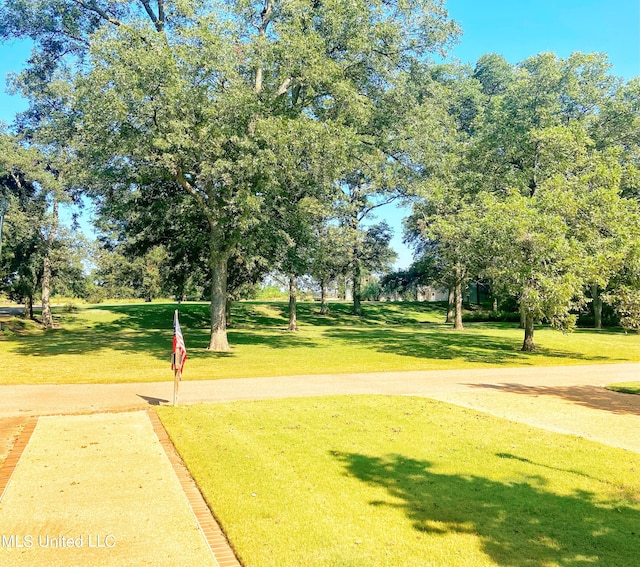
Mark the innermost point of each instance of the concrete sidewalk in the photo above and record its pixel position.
(566, 399)
(50, 399)
(98, 490)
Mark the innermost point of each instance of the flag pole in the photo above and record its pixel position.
(178, 356)
(176, 379)
(177, 364)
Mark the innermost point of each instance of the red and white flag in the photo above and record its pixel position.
(179, 351)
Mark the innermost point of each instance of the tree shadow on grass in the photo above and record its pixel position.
(148, 328)
(273, 339)
(444, 344)
(159, 315)
(275, 314)
(244, 315)
(103, 336)
(518, 523)
(593, 397)
(247, 319)
(154, 342)
(373, 314)
(604, 331)
(542, 465)
(276, 339)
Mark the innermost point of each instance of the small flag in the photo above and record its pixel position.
(179, 351)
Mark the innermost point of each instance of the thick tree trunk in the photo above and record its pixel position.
(451, 309)
(495, 304)
(3, 210)
(227, 311)
(528, 345)
(293, 304)
(47, 318)
(28, 307)
(523, 317)
(342, 288)
(597, 306)
(218, 341)
(457, 323)
(324, 307)
(357, 289)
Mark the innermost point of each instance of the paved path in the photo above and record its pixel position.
(98, 490)
(567, 399)
(103, 489)
(50, 399)
(6, 311)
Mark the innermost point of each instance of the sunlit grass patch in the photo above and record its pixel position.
(625, 387)
(372, 480)
(132, 343)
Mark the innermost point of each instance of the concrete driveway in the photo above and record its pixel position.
(567, 399)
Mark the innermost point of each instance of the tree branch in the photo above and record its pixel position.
(184, 183)
(296, 94)
(265, 18)
(77, 38)
(374, 206)
(161, 16)
(258, 83)
(97, 10)
(387, 153)
(16, 180)
(155, 19)
(284, 86)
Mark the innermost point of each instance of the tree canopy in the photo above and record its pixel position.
(226, 138)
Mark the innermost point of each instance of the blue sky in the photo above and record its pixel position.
(516, 29)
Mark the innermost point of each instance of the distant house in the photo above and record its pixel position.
(423, 293)
(429, 293)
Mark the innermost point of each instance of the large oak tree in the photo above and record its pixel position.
(194, 90)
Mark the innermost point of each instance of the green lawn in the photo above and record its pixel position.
(132, 343)
(625, 387)
(390, 481)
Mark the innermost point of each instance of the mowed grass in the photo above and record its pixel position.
(625, 387)
(399, 481)
(132, 343)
